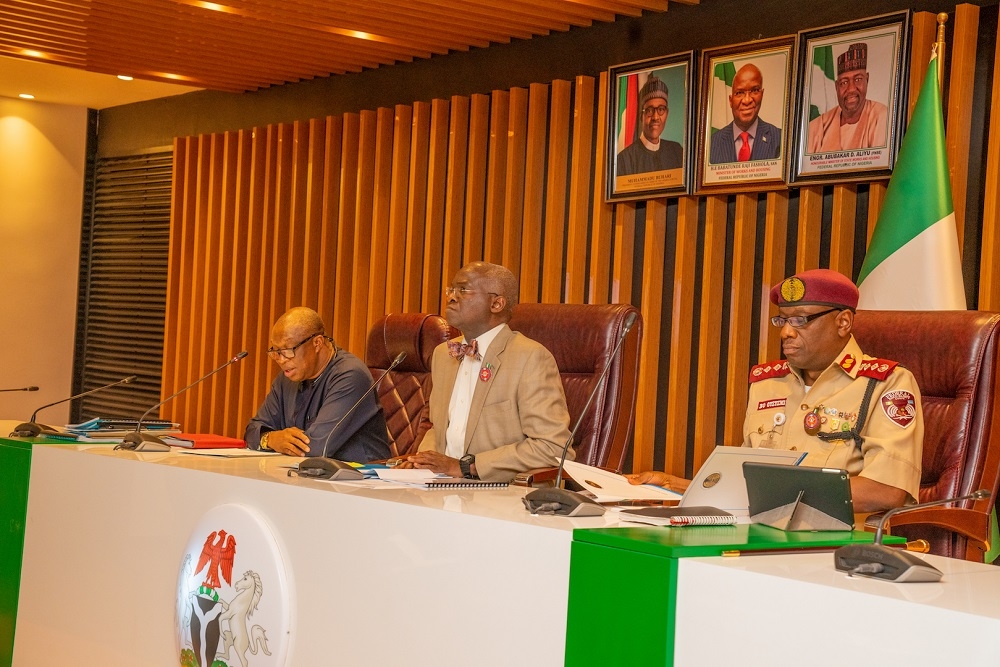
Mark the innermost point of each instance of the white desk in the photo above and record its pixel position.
(379, 577)
(796, 609)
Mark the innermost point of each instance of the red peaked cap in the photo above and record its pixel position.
(817, 287)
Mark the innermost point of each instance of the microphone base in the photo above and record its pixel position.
(561, 502)
(33, 430)
(142, 442)
(319, 467)
(878, 561)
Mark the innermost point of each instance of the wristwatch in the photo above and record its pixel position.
(263, 440)
(465, 463)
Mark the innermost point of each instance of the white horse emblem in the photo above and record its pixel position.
(248, 592)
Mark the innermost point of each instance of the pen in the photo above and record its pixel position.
(392, 463)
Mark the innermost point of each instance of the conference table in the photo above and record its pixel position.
(120, 547)
(360, 576)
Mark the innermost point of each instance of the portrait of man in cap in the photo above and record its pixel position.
(650, 152)
(856, 122)
(748, 137)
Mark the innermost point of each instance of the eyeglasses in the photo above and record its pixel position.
(748, 92)
(289, 352)
(462, 292)
(799, 321)
(657, 111)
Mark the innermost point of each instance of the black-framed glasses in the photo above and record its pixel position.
(462, 292)
(649, 112)
(799, 321)
(289, 352)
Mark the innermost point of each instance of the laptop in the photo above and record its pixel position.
(719, 482)
(799, 497)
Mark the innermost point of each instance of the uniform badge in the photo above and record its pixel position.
(847, 363)
(486, 373)
(793, 289)
(779, 418)
(899, 406)
(771, 404)
(811, 423)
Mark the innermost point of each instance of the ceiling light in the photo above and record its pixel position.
(124, 77)
(31, 53)
(26, 96)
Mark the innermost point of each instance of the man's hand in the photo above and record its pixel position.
(437, 462)
(657, 478)
(290, 441)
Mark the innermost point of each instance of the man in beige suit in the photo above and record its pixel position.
(497, 406)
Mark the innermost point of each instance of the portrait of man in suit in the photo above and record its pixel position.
(748, 137)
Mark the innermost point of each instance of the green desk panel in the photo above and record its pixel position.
(623, 584)
(15, 462)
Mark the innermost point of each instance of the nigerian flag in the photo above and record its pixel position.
(628, 110)
(913, 261)
(722, 87)
(822, 82)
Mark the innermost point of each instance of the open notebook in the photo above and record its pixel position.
(719, 482)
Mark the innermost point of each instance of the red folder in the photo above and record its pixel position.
(203, 441)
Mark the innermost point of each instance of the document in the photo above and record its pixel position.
(227, 453)
(610, 487)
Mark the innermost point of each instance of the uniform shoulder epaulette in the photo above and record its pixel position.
(772, 369)
(880, 369)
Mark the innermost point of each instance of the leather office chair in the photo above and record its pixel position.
(955, 357)
(404, 392)
(581, 337)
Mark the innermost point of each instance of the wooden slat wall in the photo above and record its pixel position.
(373, 212)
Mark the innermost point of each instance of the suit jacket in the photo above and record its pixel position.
(766, 145)
(518, 419)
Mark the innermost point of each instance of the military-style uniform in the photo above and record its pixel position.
(782, 414)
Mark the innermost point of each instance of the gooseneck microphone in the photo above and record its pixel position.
(893, 564)
(144, 442)
(32, 388)
(31, 429)
(323, 468)
(556, 500)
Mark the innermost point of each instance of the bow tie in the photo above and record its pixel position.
(459, 350)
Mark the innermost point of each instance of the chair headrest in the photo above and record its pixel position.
(417, 334)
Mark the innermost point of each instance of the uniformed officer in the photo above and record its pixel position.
(828, 399)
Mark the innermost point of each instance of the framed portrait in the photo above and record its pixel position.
(743, 129)
(649, 128)
(850, 109)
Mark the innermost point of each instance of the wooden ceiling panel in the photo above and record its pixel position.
(244, 45)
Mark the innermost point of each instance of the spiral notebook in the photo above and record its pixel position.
(678, 516)
(461, 483)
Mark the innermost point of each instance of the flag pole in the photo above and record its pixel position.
(942, 18)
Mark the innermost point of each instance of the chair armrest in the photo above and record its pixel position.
(536, 477)
(966, 522)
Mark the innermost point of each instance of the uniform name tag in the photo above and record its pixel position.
(771, 404)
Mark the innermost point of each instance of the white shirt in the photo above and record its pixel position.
(461, 395)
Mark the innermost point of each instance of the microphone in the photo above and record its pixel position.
(144, 442)
(892, 564)
(30, 429)
(32, 388)
(556, 500)
(320, 467)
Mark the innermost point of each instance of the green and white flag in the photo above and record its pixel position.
(913, 261)
(722, 88)
(822, 82)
